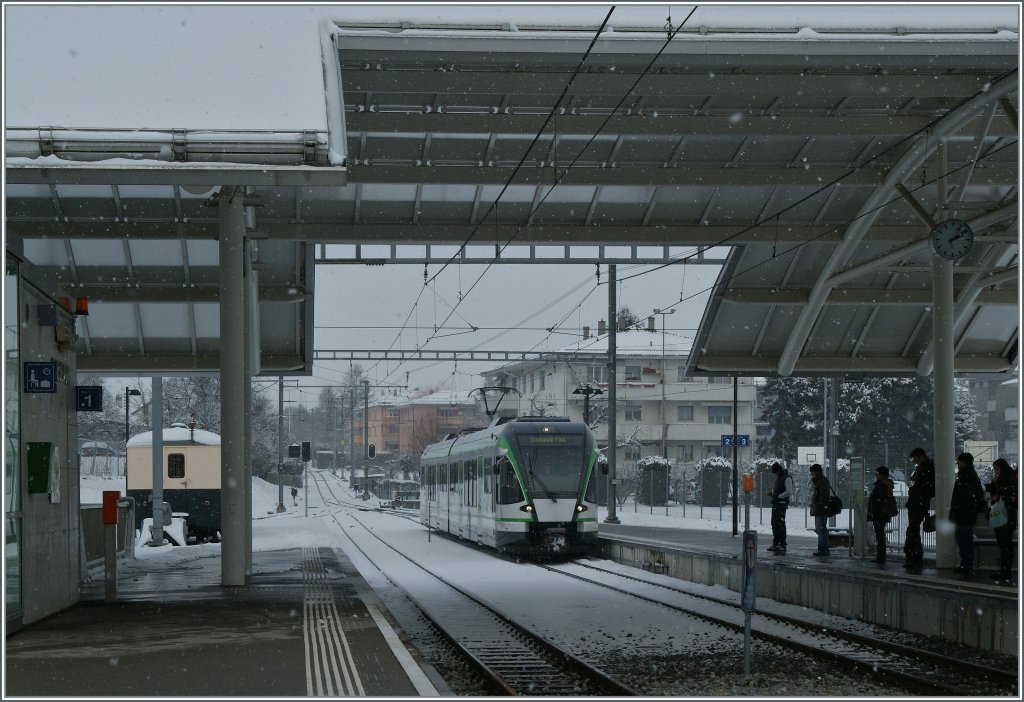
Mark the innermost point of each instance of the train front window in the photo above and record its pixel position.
(552, 463)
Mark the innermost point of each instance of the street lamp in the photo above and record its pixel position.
(664, 419)
(128, 392)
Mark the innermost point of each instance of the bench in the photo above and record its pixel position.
(986, 550)
(837, 536)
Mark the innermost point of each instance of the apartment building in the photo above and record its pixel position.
(661, 410)
(401, 424)
(998, 404)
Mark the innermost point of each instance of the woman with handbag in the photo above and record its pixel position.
(1003, 514)
(965, 504)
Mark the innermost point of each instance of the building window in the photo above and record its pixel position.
(633, 453)
(681, 374)
(719, 380)
(176, 465)
(632, 413)
(392, 412)
(390, 428)
(392, 446)
(595, 373)
(685, 413)
(686, 452)
(447, 412)
(719, 414)
(632, 373)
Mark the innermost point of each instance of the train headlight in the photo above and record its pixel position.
(527, 508)
(581, 508)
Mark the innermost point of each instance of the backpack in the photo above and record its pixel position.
(889, 507)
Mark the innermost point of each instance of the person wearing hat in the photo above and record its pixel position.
(821, 490)
(780, 495)
(881, 508)
(967, 501)
(919, 497)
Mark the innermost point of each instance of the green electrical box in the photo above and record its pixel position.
(40, 454)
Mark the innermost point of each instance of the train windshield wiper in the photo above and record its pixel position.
(535, 477)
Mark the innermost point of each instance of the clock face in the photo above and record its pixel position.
(952, 239)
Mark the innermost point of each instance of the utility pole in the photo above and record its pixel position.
(664, 419)
(366, 436)
(613, 322)
(280, 443)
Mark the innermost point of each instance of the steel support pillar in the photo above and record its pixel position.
(157, 407)
(612, 406)
(232, 386)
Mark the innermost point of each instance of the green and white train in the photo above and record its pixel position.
(523, 486)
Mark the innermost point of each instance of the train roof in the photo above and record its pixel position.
(177, 435)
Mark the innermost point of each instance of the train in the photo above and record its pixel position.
(523, 486)
(191, 479)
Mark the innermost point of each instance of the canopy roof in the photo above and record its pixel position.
(785, 144)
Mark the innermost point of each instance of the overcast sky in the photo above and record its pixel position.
(258, 67)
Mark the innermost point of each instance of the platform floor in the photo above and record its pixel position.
(305, 625)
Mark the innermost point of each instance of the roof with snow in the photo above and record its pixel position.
(177, 435)
(780, 136)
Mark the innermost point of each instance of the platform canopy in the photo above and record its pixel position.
(820, 154)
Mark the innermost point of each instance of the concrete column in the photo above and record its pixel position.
(249, 301)
(943, 342)
(232, 385)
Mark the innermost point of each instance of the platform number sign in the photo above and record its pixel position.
(741, 440)
(89, 398)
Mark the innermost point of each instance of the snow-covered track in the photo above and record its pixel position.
(916, 669)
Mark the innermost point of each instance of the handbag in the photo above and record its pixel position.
(997, 516)
(929, 523)
(835, 505)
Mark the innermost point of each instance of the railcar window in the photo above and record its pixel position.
(175, 465)
(471, 482)
(552, 464)
(488, 474)
(453, 476)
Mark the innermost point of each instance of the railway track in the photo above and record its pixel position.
(513, 659)
(916, 669)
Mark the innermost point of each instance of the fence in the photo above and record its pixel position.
(93, 537)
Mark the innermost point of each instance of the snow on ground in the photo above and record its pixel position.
(290, 529)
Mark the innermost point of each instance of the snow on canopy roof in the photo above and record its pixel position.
(177, 435)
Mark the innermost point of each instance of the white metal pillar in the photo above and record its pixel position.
(613, 323)
(945, 396)
(157, 406)
(232, 385)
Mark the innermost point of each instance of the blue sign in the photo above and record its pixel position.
(741, 439)
(40, 376)
(89, 398)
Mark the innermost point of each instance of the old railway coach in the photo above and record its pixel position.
(191, 478)
(523, 486)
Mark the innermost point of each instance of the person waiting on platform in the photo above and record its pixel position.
(964, 505)
(821, 490)
(780, 495)
(1003, 488)
(919, 497)
(881, 508)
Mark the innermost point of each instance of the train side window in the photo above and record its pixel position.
(175, 465)
(488, 474)
(453, 476)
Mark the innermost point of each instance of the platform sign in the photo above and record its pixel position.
(741, 439)
(89, 398)
(40, 376)
(749, 563)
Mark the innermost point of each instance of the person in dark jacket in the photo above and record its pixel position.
(881, 508)
(964, 505)
(919, 497)
(780, 494)
(1004, 487)
(821, 490)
